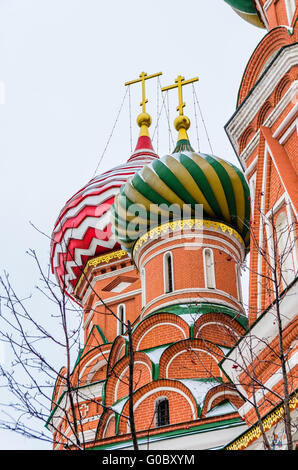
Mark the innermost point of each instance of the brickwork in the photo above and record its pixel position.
(176, 351)
(190, 359)
(182, 405)
(219, 394)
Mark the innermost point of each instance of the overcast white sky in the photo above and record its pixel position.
(63, 64)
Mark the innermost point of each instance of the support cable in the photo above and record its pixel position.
(164, 101)
(112, 132)
(196, 117)
(203, 121)
(129, 110)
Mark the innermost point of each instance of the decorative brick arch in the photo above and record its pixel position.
(218, 394)
(190, 359)
(264, 112)
(106, 425)
(90, 364)
(158, 329)
(182, 405)
(218, 328)
(245, 137)
(116, 387)
(118, 350)
(281, 88)
(270, 45)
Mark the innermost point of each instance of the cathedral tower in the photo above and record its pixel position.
(181, 232)
(263, 133)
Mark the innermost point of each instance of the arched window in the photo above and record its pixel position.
(238, 282)
(121, 319)
(162, 416)
(252, 186)
(209, 268)
(284, 248)
(168, 273)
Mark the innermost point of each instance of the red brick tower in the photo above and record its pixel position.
(263, 132)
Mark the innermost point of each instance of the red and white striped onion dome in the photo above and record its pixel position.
(83, 228)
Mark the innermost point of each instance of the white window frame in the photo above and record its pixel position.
(238, 282)
(119, 324)
(286, 277)
(167, 255)
(212, 272)
(252, 188)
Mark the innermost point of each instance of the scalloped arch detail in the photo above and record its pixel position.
(94, 359)
(104, 423)
(270, 45)
(190, 359)
(245, 137)
(218, 394)
(118, 350)
(281, 88)
(158, 329)
(172, 389)
(219, 329)
(115, 387)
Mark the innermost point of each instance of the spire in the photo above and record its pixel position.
(144, 119)
(181, 123)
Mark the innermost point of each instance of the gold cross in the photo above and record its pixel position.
(142, 79)
(180, 81)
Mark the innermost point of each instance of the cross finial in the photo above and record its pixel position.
(143, 77)
(179, 82)
(181, 122)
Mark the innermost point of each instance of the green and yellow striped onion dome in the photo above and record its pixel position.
(182, 178)
(247, 10)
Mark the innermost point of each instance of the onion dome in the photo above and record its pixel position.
(183, 178)
(83, 228)
(247, 10)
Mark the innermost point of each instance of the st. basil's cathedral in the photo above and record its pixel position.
(205, 374)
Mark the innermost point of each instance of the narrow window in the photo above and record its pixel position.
(238, 282)
(168, 273)
(121, 319)
(162, 412)
(209, 269)
(284, 248)
(252, 185)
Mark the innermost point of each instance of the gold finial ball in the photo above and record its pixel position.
(181, 122)
(144, 119)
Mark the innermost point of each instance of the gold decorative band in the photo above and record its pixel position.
(255, 432)
(186, 223)
(101, 259)
(106, 258)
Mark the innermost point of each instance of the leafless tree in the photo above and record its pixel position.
(35, 342)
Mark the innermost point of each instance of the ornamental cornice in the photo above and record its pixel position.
(271, 119)
(180, 225)
(255, 432)
(264, 87)
(94, 262)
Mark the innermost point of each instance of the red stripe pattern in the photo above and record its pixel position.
(83, 229)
